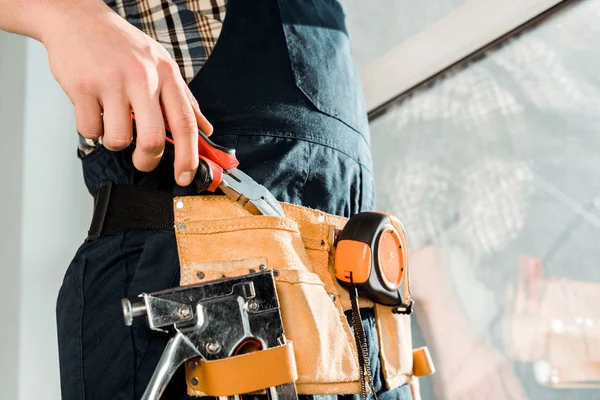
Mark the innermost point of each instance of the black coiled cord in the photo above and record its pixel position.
(361, 345)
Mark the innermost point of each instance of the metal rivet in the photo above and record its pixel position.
(181, 226)
(262, 267)
(253, 306)
(332, 297)
(252, 270)
(193, 365)
(275, 272)
(213, 347)
(194, 381)
(200, 275)
(179, 204)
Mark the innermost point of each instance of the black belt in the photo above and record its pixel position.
(119, 208)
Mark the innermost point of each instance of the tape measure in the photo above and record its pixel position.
(371, 255)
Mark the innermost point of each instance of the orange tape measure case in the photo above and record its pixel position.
(372, 255)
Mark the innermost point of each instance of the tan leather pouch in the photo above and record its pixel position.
(395, 344)
(217, 238)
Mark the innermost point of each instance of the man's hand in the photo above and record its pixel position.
(109, 68)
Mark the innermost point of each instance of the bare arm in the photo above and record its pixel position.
(467, 367)
(109, 68)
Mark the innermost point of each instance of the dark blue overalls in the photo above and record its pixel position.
(281, 88)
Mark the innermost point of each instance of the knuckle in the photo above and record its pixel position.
(185, 123)
(153, 143)
(143, 79)
(117, 140)
(89, 130)
(168, 68)
(113, 75)
(141, 73)
(84, 86)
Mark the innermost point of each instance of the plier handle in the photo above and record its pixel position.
(218, 159)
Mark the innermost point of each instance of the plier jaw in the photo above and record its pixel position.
(222, 173)
(247, 192)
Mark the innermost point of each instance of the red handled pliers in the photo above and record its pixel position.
(224, 174)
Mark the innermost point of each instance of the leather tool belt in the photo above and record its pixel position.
(217, 238)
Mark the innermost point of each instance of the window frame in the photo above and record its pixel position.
(446, 43)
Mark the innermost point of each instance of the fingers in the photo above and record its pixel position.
(181, 118)
(201, 120)
(88, 116)
(117, 121)
(156, 97)
(150, 129)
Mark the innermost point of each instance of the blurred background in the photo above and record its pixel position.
(485, 130)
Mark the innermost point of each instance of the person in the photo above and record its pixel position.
(275, 79)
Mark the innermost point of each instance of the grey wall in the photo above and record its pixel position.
(12, 97)
(56, 214)
(377, 26)
(44, 215)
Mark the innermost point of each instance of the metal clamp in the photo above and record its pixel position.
(212, 321)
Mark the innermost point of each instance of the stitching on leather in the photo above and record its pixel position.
(185, 258)
(294, 279)
(235, 228)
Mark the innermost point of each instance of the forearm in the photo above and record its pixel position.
(38, 18)
(444, 324)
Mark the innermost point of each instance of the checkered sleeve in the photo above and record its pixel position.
(187, 29)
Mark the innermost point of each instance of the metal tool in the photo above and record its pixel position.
(225, 175)
(220, 165)
(212, 321)
(252, 196)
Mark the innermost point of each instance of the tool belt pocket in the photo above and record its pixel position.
(217, 239)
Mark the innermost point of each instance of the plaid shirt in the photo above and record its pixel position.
(188, 29)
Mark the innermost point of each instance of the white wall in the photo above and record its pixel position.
(12, 97)
(54, 214)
